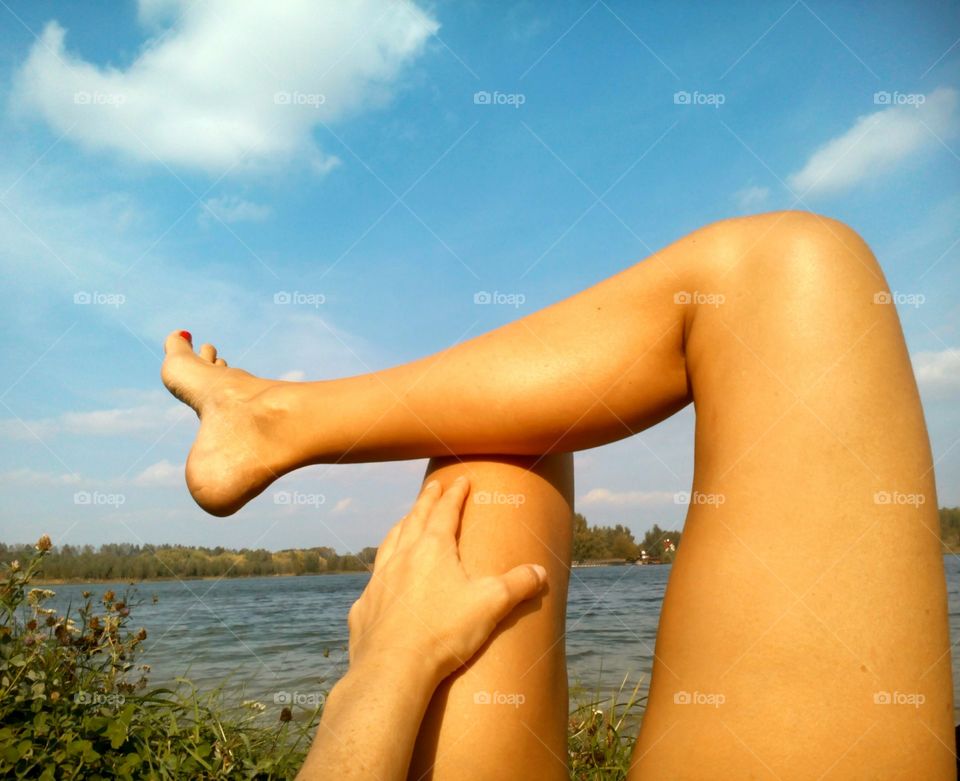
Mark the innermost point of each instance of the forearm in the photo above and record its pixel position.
(370, 723)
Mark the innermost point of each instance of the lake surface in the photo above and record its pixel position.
(289, 635)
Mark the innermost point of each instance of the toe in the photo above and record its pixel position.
(208, 352)
(178, 342)
(221, 362)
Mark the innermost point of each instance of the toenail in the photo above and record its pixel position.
(186, 335)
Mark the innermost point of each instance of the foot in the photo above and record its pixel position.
(234, 457)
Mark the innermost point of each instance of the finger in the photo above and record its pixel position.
(412, 525)
(446, 515)
(388, 546)
(510, 589)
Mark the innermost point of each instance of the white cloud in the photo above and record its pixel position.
(877, 143)
(231, 208)
(603, 496)
(120, 421)
(938, 373)
(162, 473)
(33, 477)
(752, 197)
(227, 84)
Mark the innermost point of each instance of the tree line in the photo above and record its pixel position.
(591, 543)
(126, 561)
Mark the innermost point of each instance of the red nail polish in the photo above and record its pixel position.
(186, 335)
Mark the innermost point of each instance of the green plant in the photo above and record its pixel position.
(74, 701)
(602, 732)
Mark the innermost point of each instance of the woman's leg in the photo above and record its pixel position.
(592, 369)
(505, 714)
(804, 630)
(806, 595)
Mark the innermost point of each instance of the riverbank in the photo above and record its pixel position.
(79, 581)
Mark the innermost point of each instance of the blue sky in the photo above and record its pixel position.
(169, 164)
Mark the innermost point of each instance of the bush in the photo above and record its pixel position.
(74, 701)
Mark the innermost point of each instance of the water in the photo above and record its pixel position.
(275, 635)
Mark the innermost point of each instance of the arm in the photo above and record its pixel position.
(419, 619)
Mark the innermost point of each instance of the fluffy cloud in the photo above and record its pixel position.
(231, 208)
(877, 143)
(227, 85)
(27, 477)
(752, 197)
(162, 473)
(115, 422)
(603, 496)
(938, 373)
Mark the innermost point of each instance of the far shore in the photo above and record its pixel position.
(169, 578)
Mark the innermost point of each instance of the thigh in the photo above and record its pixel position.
(505, 714)
(804, 630)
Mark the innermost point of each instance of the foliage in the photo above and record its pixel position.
(74, 701)
(124, 561)
(950, 526)
(617, 542)
(602, 732)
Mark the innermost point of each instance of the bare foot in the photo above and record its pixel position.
(233, 457)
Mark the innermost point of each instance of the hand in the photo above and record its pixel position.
(420, 607)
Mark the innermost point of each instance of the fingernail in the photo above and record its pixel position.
(186, 335)
(462, 479)
(431, 484)
(541, 573)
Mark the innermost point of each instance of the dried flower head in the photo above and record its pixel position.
(44, 544)
(286, 715)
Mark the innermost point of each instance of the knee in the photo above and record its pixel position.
(801, 252)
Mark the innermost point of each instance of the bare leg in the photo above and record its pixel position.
(803, 634)
(806, 410)
(592, 369)
(505, 714)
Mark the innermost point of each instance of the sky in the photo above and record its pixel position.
(322, 190)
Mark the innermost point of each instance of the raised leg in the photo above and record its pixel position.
(505, 714)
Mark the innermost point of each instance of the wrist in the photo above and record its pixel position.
(405, 670)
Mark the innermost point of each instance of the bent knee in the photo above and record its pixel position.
(804, 248)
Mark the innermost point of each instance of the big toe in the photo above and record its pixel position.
(178, 342)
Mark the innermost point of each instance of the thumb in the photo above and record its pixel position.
(517, 585)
